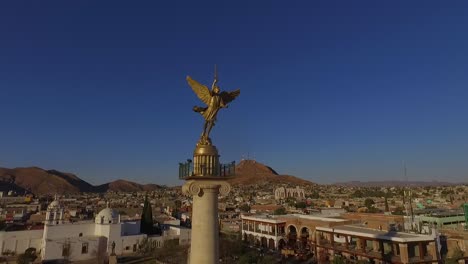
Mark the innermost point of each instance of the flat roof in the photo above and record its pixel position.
(320, 218)
(263, 218)
(274, 218)
(361, 231)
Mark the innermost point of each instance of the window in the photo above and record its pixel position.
(66, 250)
(134, 247)
(80, 235)
(84, 248)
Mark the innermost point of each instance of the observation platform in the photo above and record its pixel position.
(187, 170)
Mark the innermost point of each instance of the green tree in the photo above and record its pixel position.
(357, 194)
(387, 209)
(291, 201)
(315, 195)
(400, 210)
(245, 208)
(267, 259)
(301, 205)
(361, 261)
(280, 211)
(146, 222)
(338, 260)
(369, 203)
(248, 258)
(145, 247)
(27, 257)
(171, 252)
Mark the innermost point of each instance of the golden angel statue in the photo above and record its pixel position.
(214, 100)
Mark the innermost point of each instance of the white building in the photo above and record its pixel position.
(283, 193)
(84, 240)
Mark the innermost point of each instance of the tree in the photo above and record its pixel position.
(361, 261)
(171, 252)
(146, 222)
(357, 194)
(267, 259)
(369, 203)
(280, 211)
(400, 210)
(27, 257)
(248, 258)
(230, 248)
(145, 247)
(315, 195)
(301, 205)
(245, 208)
(338, 260)
(291, 201)
(387, 209)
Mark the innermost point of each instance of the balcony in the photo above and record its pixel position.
(186, 170)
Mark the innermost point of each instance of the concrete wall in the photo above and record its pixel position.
(54, 248)
(69, 230)
(19, 241)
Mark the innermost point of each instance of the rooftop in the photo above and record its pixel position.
(361, 231)
(263, 218)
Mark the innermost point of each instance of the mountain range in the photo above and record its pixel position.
(40, 181)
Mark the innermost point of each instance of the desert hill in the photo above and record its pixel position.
(40, 181)
(126, 186)
(250, 172)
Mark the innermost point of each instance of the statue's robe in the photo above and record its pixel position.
(216, 102)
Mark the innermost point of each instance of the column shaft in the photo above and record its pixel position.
(205, 244)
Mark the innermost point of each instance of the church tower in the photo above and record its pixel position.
(55, 212)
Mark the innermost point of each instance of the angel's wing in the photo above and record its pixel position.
(229, 96)
(200, 90)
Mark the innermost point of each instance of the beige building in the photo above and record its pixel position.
(355, 242)
(324, 238)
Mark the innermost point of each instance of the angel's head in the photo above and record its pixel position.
(215, 89)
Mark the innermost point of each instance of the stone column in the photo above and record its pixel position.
(432, 250)
(375, 246)
(359, 243)
(404, 253)
(205, 238)
(421, 250)
(318, 240)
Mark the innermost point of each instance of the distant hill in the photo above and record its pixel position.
(40, 181)
(395, 183)
(126, 186)
(250, 172)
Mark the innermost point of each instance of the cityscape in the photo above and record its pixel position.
(150, 132)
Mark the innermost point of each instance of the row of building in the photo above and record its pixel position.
(374, 238)
(58, 239)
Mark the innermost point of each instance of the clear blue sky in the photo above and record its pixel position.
(331, 90)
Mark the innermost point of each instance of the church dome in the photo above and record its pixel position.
(107, 216)
(53, 205)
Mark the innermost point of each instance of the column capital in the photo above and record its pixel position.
(198, 187)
